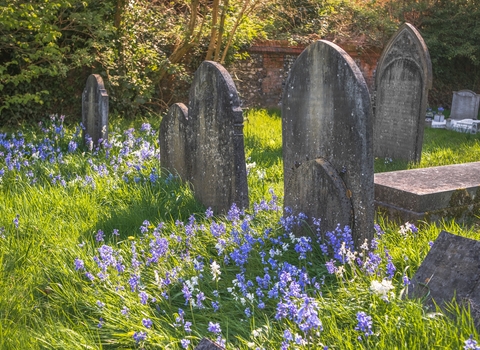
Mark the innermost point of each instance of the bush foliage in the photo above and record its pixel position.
(146, 50)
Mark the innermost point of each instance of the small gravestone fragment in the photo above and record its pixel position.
(402, 81)
(173, 139)
(315, 187)
(465, 104)
(215, 147)
(450, 269)
(95, 110)
(206, 344)
(326, 114)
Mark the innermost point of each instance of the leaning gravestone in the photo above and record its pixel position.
(215, 146)
(402, 81)
(172, 139)
(206, 344)
(95, 109)
(450, 269)
(327, 141)
(465, 105)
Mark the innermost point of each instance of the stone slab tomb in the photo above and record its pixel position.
(95, 109)
(327, 141)
(450, 191)
(172, 140)
(450, 270)
(402, 81)
(465, 104)
(206, 145)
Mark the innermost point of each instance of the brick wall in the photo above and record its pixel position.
(260, 78)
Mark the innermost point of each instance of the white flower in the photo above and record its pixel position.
(215, 270)
(382, 288)
(364, 246)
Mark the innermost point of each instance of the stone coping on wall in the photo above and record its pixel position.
(429, 194)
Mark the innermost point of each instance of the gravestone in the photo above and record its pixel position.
(327, 141)
(95, 109)
(402, 81)
(215, 148)
(172, 139)
(206, 344)
(465, 105)
(450, 269)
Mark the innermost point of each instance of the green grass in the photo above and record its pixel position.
(46, 304)
(440, 147)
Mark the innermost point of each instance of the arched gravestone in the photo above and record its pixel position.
(95, 109)
(402, 81)
(327, 140)
(172, 139)
(215, 147)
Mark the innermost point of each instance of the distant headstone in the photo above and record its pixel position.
(215, 147)
(206, 344)
(172, 138)
(450, 269)
(402, 81)
(95, 109)
(327, 140)
(465, 105)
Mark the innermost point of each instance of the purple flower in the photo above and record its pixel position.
(139, 336)
(185, 343)
(125, 310)
(209, 213)
(15, 220)
(72, 146)
(147, 322)
(187, 326)
(214, 327)
(79, 265)
(215, 306)
(143, 297)
(364, 323)
(100, 304)
(99, 236)
(89, 276)
(331, 268)
(406, 280)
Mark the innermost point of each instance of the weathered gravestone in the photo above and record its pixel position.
(172, 139)
(215, 148)
(402, 81)
(327, 141)
(465, 105)
(95, 109)
(450, 269)
(206, 344)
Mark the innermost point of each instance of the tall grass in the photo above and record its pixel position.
(86, 236)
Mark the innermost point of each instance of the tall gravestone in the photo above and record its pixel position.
(465, 105)
(95, 109)
(215, 148)
(172, 139)
(327, 141)
(402, 81)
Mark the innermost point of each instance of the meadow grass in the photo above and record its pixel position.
(99, 248)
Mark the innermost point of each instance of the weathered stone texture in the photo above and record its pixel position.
(215, 147)
(326, 114)
(172, 139)
(403, 78)
(465, 104)
(95, 109)
(450, 270)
